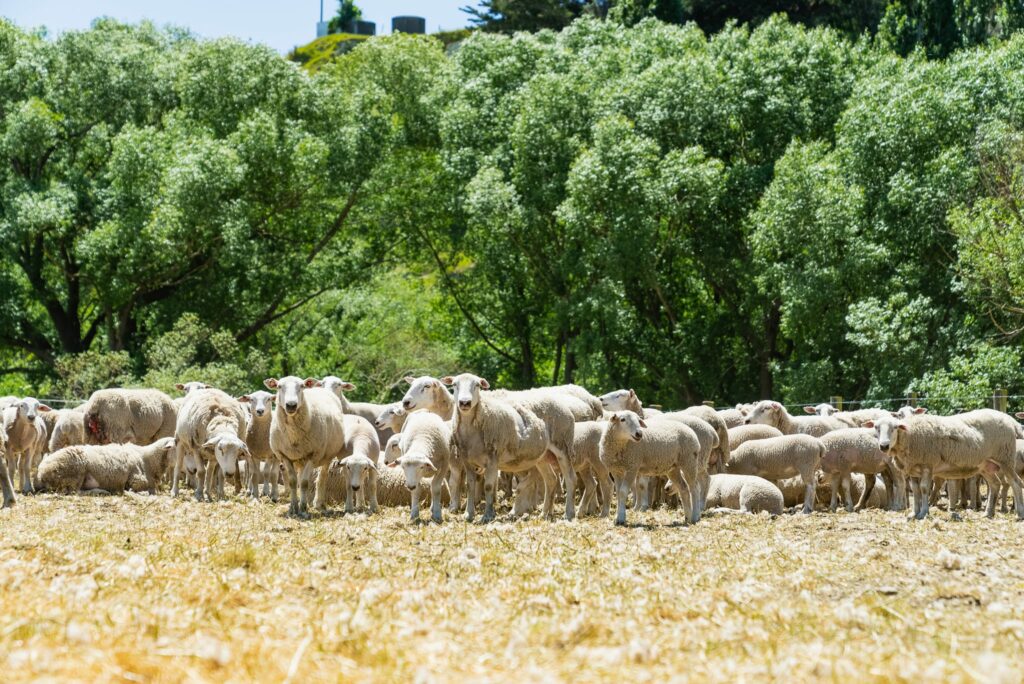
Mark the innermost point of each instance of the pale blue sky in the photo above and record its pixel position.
(281, 24)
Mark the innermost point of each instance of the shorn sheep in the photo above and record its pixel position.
(307, 432)
(111, 468)
(26, 437)
(210, 431)
(953, 448)
(745, 493)
(853, 450)
(631, 447)
(139, 416)
(780, 457)
(424, 453)
(264, 470)
(775, 414)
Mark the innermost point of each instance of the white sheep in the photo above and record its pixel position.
(626, 400)
(850, 418)
(367, 410)
(68, 429)
(108, 468)
(26, 437)
(744, 433)
(745, 493)
(188, 387)
(307, 432)
(424, 450)
(908, 411)
(210, 433)
(853, 450)
(780, 457)
(775, 414)
(732, 417)
(391, 418)
(954, 448)
(5, 475)
(360, 474)
(587, 447)
(359, 455)
(139, 416)
(428, 394)
(631, 447)
(265, 470)
(720, 453)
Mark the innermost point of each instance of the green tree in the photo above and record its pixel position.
(508, 16)
(347, 13)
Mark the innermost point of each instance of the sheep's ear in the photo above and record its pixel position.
(448, 380)
(809, 409)
(1019, 414)
(374, 466)
(484, 383)
(776, 405)
(632, 392)
(179, 386)
(210, 443)
(399, 410)
(393, 464)
(642, 423)
(409, 379)
(347, 386)
(244, 399)
(901, 426)
(345, 461)
(429, 467)
(270, 383)
(311, 382)
(44, 408)
(919, 410)
(614, 418)
(868, 424)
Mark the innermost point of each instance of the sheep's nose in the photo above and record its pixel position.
(463, 403)
(746, 421)
(637, 436)
(411, 488)
(259, 412)
(291, 406)
(406, 404)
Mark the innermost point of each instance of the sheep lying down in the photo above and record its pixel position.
(110, 468)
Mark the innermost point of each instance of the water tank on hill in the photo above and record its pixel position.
(361, 28)
(408, 25)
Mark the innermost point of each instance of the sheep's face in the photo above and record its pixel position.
(227, 449)
(825, 410)
(386, 419)
(164, 447)
(628, 423)
(423, 393)
(744, 409)
(187, 387)
(617, 400)
(259, 402)
(416, 467)
(905, 412)
(393, 449)
(289, 391)
(764, 413)
(466, 389)
(335, 384)
(30, 407)
(889, 432)
(356, 468)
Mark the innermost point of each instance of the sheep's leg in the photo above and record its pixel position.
(5, 483)
(210, 481)
(847, 496)
(547, 474)
(292, 476)
(992, 480)
(320, 488)
(26, 472)
(974, 498)
(220, 483)
(436, 485)
(926, 486)
(349, 508)
(809, 486)
(1003, 492)
(304, 476)
(625, 484)
(833, 483)
(470, 494)
(200, 478)
(569, 476)
(685, 494)
(455, 487)
(275, 477)
(869, 486)
(179, 458)
(952, 495)
(642, 499)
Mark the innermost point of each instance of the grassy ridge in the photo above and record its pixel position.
(321, 51)
(139, 587)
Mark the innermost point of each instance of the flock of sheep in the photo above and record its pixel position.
(539, 447)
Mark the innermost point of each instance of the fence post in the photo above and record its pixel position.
(837, 401)
(913, 399)
(709, 403)
(999, 399)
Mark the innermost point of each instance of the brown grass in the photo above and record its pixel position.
(137, 588)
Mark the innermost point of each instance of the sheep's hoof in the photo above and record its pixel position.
(955, 517)
(619, 522)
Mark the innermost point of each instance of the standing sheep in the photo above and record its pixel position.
(139, 416)
(424, 448)
(109, 468)
(26, 437)
(307, 432)
(745, 433)
(780, 457)
(360, 454)
(365, 409)
(732, 417)
(626, 400)
(587, 447)
(265, 470)
(428, 394)
(631, 447)
(720, 453)
(775, 414)
(853, 450)
(210, 433)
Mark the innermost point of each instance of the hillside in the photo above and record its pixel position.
(319, 52)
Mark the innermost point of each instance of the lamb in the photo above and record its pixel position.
(139, 416)
(391, 418)
(549, 405)
(210, 432)
(779, 457)
(746, 433)
(775, 414)
(853, 450)
(265, 470)
(307, 431)
(746, 493)
(631, 447)
(109, 468)
(26, 437)
(356, 408)
(424, 452)
(360, 471)
(5, 475)
(626, 400)
(68, 430)
(850, 418)
(491, 434)
(954, 448)
(360, 454)
(587, 447)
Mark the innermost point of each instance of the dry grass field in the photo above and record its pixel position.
(139, 588)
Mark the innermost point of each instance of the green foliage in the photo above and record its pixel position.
(79, 375)
(322, 51)
(347, 13)
(971, 378)
(508, 16)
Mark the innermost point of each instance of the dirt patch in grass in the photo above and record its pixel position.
(144, 588)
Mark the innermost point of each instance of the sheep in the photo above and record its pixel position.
(26, 437)
(631, 447)
(265, 470)
(360, 475)
(1004, 482)
(587, 448)
(744, 409)
(307, 431)
(908, 411)
(68, 430)
(954, 448)
(428, 394)
(732, 417)
(850, 418)
(720, 453)
(359, 455)
(5, 475)
(626, 400)
(424, 452)
(746, 493)
(139, 416)
(210, 432)
(391, 418)
(356, 408)
(853, 450)
(188, 387)
(745, 433)
(779, 457)
(775, 414)
(555, 415)
(109, 468)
